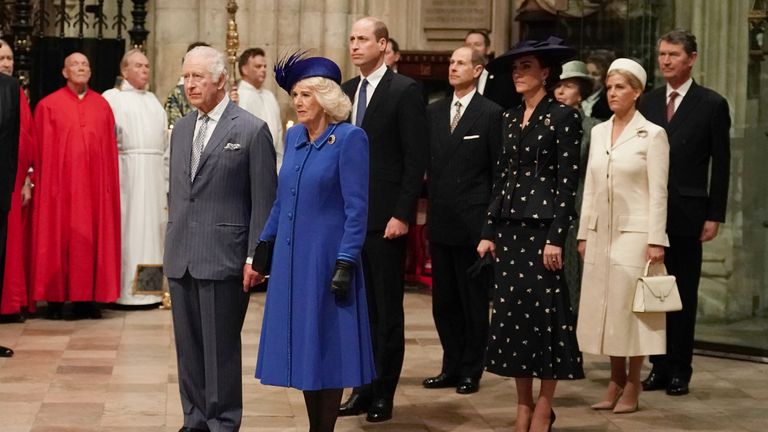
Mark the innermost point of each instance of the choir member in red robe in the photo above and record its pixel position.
(15, 295)
(76, 240)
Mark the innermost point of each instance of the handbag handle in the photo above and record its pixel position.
(648, 266)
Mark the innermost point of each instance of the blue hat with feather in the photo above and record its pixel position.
(293, 68)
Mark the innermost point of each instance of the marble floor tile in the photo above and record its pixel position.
(119, 374)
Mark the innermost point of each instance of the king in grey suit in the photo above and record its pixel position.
(222, 185)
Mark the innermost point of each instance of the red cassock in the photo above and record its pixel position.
(76, 239)
(15, 294)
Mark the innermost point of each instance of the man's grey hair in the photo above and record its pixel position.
(216, 60)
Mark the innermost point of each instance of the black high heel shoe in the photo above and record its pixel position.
(552, 418)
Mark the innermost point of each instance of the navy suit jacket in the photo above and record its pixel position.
(396, 125)
(461, 167)
(214, 221)
(699, 139)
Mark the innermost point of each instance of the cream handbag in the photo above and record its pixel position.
(656, 293)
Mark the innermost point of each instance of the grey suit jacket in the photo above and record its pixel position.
(214, 221)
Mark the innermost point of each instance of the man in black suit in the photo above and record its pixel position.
(697, 121)
(9, 158)
(389, 108)
(464, 141)
(494, 86)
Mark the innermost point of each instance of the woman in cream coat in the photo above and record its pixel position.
(624, 213)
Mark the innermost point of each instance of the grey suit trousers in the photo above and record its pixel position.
(208, 314)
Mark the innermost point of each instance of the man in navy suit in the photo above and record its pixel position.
(697, 121)
(222, 185)
(465, 138)
(389, 107)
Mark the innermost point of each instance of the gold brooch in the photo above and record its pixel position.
(331, 139)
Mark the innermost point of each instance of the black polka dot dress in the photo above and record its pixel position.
(532, 332)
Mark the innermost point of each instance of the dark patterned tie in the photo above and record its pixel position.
(456, 117)
(197, 147)
(362, 99)
(671, 105)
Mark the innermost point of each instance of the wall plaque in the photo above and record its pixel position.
(450, 19)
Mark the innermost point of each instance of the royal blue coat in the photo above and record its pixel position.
(310, 341)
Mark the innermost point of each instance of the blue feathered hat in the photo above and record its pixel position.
(293, 68)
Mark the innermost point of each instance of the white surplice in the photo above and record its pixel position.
(140, 123)
(262, 104)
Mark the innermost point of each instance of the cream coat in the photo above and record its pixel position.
(624, 210)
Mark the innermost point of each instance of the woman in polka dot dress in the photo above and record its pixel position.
(532, 332)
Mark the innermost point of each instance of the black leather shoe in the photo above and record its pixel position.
(655, 381)
(677, 387)
(189, 429)
(6, 352)
(467, 386)
(54, 311)
(380, 410)
(355, 405)
(441, 381)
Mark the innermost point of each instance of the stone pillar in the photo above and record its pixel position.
(730, 273)
(176, 27)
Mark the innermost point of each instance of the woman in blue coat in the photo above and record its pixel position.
(315, 334)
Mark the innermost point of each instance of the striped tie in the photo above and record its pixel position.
(456, 117)
(197, 147)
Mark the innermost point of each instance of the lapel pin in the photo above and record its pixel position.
(331, 139)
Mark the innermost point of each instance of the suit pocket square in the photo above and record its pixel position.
(232, 146)
(469, 137)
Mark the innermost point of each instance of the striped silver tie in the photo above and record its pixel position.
(197, 147)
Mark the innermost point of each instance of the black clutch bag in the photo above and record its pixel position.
(262, 257)
(482, 268)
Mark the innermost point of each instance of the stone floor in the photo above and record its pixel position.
(119, 374)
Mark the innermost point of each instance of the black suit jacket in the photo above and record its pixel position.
(460, 172)
(395, 122)
(698, 138)
(538, 169)
(9, 140)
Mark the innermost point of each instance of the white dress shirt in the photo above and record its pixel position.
(681, 91)
(464, 103)
(373, 80)
(213, 119)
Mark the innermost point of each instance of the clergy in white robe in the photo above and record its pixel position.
(257, 100)
(140, 123)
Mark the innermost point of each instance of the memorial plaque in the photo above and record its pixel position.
(456, 14)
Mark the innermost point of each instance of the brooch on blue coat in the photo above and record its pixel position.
(331, 139)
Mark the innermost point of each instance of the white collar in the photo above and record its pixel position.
(216, 112)
(127, 86)
(682, 90)
(465, 99)
(375, 76)
(249, 86)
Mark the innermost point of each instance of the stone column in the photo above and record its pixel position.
(176, 27)
(730, 264)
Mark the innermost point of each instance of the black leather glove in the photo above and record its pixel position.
(262, 257)
(342, 279)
